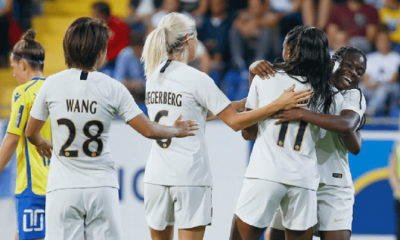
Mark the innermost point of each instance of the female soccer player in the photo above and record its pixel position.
(27, 60)
(283, 165)
(335, 194)
(82, 191)
(178, 176)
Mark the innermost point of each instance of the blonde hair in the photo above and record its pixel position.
(167, 40)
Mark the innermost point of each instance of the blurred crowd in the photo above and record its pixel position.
(232, 34)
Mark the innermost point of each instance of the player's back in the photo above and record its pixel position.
(82, 106)
(32, 169)
(180, 89)
(285, 152)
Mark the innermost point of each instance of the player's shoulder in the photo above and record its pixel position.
(188, 73)
(353, 94)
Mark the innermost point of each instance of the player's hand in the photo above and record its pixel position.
(290, 99)
(291, 115)
(45, 148)
(263, 69)
(185, 128)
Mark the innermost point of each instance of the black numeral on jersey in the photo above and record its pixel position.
(86, 131)
(72, 134)
(163, 143)
(299, 136)
(93, 138)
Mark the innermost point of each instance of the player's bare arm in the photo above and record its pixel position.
(353, 142)
(287, 100)
(154, 130)
(7, 149)
(343, 124)
(43, 146)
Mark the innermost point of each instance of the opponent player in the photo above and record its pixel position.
(27, 60)
(335, 192)
(178, 176)
(283, 165)
(82, 191)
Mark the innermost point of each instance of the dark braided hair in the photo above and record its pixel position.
(310, 58)
(338, 57)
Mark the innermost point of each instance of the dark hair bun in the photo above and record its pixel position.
(30, 35)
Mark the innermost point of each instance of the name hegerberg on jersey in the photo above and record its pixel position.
(160, 97)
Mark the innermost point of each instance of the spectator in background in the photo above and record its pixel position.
(168, 6)
(390, 15)
(119, 32)
(213, 31)
(5, 45)
(380, 82)
(316, 13)
(196, 8)
(129, 70)
(358, 19)
(202, 60)
(140, 11)
(250, 37)
(340, 39)
(394, 180)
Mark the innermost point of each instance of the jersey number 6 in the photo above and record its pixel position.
(299, 136)
(91, 138)
(163, 143)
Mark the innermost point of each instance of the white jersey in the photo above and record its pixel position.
(81, 106)
(333, 162)
(181, 89)
(283, 153)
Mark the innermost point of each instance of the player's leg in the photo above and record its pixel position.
(299, 213)
(243, 231)
(196, 233)
(166, 234)
(102, 220)
(159, 208)
(335, 212)
(276, 229)
(335, 235)
(193, 211)
(31, 217)
(299, 235)
(65, 215)
(257, 203)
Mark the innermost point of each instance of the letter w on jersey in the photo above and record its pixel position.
(34, 224)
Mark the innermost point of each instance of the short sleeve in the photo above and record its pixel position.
(40, 108)
(127, 108)
(21, 104)
(209, 95)
(252, 99)
(352, 102)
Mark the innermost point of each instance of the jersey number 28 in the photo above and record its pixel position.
(90, 138)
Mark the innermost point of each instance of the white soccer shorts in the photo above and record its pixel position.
(259, 200)
(83, 214)
(335, 209)
(185, 207)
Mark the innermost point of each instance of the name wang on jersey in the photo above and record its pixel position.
(159, 97)
(81, 106)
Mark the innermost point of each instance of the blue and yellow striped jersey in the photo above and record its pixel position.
(32, 168)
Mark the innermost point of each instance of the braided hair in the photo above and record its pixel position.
(310, 58)
(338, 57)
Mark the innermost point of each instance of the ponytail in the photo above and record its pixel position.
(167, 40)
(154, 50)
